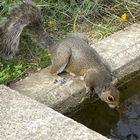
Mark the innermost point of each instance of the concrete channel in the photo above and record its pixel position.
(120, 51)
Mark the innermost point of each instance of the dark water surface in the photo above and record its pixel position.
(111, 123)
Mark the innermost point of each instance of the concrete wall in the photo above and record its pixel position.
(22, 118)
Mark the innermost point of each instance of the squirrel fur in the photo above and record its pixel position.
(72, 54)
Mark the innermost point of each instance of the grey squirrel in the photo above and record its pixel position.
(72, 54)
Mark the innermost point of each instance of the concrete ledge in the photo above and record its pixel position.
(40, 86)
(22, 118)
(120, 51)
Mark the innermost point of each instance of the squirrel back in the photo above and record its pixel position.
(25, 14)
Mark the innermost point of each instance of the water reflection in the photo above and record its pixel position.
(97, 116)
(117, 126)
(128, 127)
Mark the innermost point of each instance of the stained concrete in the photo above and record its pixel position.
(22, 118)
(120, 52)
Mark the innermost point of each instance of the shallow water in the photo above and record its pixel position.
(109, 122)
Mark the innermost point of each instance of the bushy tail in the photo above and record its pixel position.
(26, 14)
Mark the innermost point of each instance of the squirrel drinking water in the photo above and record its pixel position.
(72, 54)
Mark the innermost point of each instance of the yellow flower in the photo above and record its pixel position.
(123, 17)
(51, 22)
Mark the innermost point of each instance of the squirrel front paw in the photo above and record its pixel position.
(90, 92)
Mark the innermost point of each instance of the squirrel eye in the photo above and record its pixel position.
(110, 98)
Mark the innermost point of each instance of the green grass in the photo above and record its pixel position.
(59, 18)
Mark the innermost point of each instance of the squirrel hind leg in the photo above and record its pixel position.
(60, 80)
(57, 69)
(56, 77)
(60, 61)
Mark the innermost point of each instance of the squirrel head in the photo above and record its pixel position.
(110, 94)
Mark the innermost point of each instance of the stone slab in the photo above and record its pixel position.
(40, 86)
(121, 52)
(22, 118)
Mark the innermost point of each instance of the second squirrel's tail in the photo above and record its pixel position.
(26, 14)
